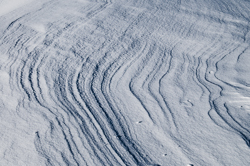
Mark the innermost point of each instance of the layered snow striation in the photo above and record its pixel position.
(101, 83)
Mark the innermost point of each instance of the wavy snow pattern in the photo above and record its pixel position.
(126, 83)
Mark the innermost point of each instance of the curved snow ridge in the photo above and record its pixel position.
(127, 83)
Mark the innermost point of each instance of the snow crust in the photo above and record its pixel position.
(124, 82)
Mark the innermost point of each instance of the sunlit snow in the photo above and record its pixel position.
(124, 83)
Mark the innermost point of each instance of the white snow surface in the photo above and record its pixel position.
(125, 83)
(7, 6)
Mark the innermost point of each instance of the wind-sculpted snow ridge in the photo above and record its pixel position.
(128, 82)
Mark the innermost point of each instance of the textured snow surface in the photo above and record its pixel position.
(125, 83)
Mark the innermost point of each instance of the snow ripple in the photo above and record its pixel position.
(126, 83)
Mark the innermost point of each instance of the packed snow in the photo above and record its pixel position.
(124, 83)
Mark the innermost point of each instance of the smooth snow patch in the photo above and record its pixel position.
(39, 28)
(7, 6)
